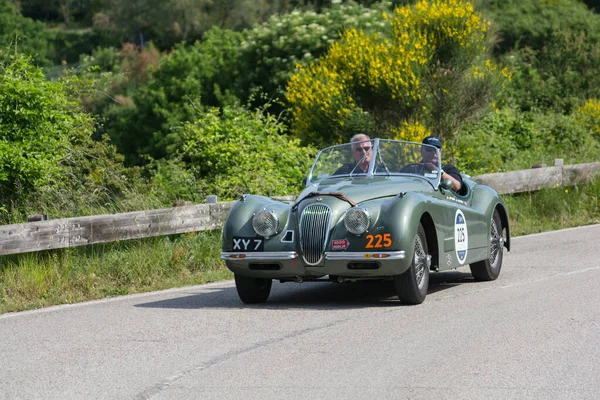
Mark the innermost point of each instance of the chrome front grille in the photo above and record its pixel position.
(314, 231)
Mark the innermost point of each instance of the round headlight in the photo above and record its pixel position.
(265, 223)
(357, 220)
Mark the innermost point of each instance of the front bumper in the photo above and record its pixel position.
(290, 264)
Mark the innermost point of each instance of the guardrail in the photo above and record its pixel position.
(81, 231)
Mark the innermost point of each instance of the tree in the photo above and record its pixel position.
(21, 34)
(189, 78)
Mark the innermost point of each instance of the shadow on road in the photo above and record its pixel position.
(326, 295)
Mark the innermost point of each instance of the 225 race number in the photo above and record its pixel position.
(379, 241)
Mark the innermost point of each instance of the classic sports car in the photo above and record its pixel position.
(395, 219)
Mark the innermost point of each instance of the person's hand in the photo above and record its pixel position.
(429, 167)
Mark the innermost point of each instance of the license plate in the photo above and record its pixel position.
(248, 244)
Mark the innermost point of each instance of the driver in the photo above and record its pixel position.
(361, 153)
(430, 162)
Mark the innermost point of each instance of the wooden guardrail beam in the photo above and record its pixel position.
(80, 231)
(534, 179)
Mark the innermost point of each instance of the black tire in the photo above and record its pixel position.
(253, 290)
(412, 285)
(489, 269)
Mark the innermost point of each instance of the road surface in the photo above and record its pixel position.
(533, 333)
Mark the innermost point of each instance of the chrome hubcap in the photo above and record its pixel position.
(496, 243)
(422, 261)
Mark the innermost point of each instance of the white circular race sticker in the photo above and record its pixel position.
(461, 237)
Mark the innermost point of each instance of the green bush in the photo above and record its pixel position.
(559, 76)
(236, 151)
(47, 156)
(533, 23)
(511, 140)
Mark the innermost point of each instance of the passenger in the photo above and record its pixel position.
(429, 162)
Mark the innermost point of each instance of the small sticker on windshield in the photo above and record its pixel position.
(431, 175)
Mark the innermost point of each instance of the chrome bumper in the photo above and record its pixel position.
(335, 256)
(382, 255)
(266, 255)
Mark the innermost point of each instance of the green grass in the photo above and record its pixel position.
(42, 279)
(36, 280)
(554, 208)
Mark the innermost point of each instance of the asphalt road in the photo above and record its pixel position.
(533, 333)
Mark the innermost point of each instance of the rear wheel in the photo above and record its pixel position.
(253, 290)
(412, 285)
(489, 269)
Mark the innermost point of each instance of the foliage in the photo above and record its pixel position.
(533, 23)
(433, 69)
(240, 151)
(558, 76)
(21, 34)
(589, 116)
(183, 82)
(553, 48)
(270, 51)
(37, 118)
(69, 12)
(68, 45)
(511, 140)
(46, 147)
(168, 22)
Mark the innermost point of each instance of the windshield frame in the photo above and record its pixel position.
(371, 172)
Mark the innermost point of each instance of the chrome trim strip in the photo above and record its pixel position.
(264, 255)
(355, 255)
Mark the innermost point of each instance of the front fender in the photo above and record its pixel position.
(393, 226)
(239, 220)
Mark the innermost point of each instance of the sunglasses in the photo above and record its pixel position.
(363, 149)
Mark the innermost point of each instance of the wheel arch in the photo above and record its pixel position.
(503, 212)
(432, 239)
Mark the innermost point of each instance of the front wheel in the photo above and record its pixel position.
(489, 269)
(412, 285)
(252, 290)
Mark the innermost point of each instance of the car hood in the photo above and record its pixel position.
(361, 189)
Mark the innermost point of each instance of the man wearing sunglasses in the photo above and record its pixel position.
(361, 153)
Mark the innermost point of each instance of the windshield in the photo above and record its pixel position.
(377, 157)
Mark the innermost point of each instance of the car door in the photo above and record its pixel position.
(463, 228)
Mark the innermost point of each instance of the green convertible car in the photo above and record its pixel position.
(384, 214)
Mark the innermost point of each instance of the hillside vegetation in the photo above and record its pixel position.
(113, 106)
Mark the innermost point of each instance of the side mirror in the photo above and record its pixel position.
(304, 180)
(446, 184)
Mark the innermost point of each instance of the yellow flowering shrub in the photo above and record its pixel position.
(429, 62)
(410, 131)
(442, 25)
(589, 114)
